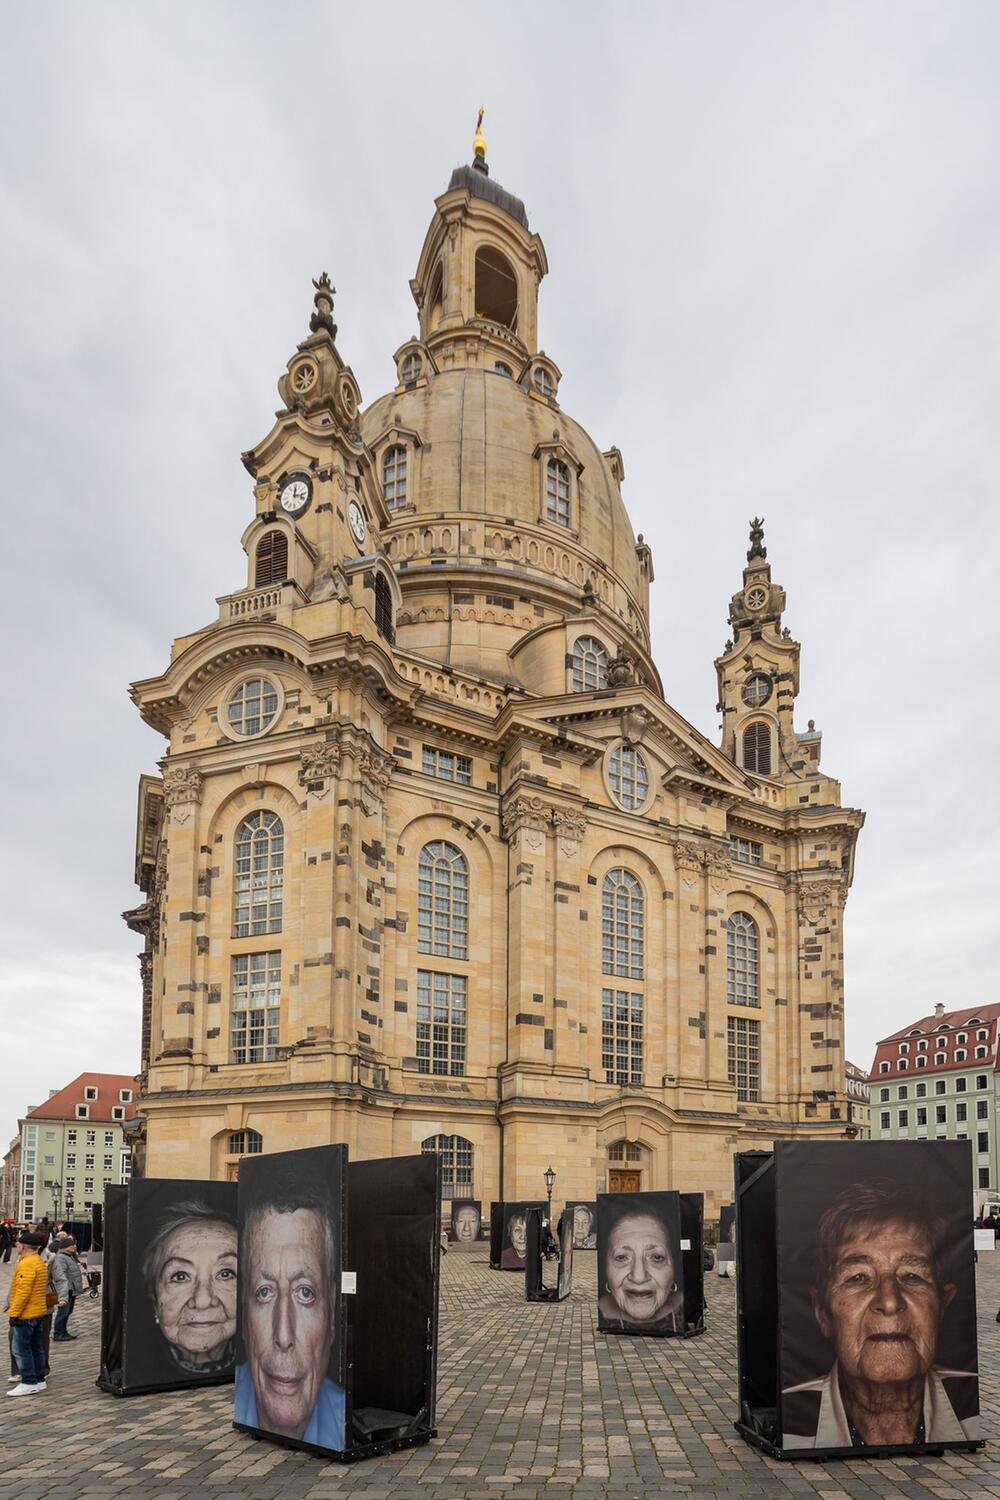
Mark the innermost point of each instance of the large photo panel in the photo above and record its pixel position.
(292, 1223)
(640, 1281)
(877, 1333)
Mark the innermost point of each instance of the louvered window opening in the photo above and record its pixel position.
(271, 560)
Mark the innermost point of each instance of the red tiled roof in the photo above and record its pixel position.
(62, 1105)
(928, 1028)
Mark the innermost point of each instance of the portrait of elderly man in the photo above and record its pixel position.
(880, 1293)
(289, 1264)
(465, 1222)
(189, 1272)
(639, 1271)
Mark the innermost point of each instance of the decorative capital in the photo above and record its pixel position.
(687, 856)
(317, 764)
(525, 813)
(182, 784)
(570, 828)
(376, 769)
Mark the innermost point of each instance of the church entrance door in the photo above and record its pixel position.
(624, 1182)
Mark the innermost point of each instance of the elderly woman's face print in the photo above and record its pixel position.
(195, 1290)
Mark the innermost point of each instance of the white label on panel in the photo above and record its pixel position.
(685, 1244)
(348, 1282)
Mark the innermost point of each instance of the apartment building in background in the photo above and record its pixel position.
(73, 1145)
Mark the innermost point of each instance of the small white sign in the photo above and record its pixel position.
(685, 1244)
(985, 1239)
(349, 1282)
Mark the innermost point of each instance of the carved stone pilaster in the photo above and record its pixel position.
(687, 858)
(717, 867)
(816, 897)
(376, 770)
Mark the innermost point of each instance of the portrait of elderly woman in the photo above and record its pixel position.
(515, 1235)
(883, 1281)
(638, 1253)
(189, 1274)
(584, 1225)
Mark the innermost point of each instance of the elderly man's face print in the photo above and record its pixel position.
(883, 1305)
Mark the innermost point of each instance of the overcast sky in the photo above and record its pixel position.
(773, 238)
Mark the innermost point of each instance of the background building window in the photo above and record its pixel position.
(245, 1143)
(447, 766)
(557, 492)
(922, 1115)
(961, 1111)
(253, 707)
(259, 875)
(590, 665)
(629, 777)
(271, 560)
(394, 477)
(496, 288)
(621, 1036)
(982, 1109)
(983, 1141)
(745, 851)
(904, 1119)
(256, 1006)
(456, 1163)
(743, 1056)
(442, 1022)
(885, 1121)
(443, 902)
(742, 960)
(757, 748)
(622, 925)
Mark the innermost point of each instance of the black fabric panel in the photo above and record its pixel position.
(496, 1235)
(393, 1246)
(113, 1286)
(692, 1207)
(757, 1292)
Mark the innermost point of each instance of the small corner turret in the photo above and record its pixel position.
(758, 674)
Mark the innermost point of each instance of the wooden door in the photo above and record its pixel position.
(624, 1182)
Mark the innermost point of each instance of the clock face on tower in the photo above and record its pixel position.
(295, 494)
(356, 521)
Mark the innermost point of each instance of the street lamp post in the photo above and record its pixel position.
(550, 1178)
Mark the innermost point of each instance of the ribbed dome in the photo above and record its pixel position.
(479, 433)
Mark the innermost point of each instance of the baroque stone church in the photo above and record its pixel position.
(432, 864)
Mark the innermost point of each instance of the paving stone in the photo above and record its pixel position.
(531, 1399)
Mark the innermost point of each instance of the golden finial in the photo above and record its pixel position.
(479, 144)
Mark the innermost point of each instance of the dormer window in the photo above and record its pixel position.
(83, 1111)
(271, 560)
(500, 368)
(982, 1035)
(90, 1093)
(883, 1067)
(412, 366)
(962, 1038)
(940, 1057)
(921, 1062)
(904, 1046)
(903, 1064)
(557, 492)
(590, 665)
(981, 1051)
(394, 477)
(117, 1112)
(960, 1055)
(543, 382)
(922, 1045)
(757, 748)
(125, 1096)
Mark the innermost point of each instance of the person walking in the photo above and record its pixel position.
(67, 1280)
(27, 1309)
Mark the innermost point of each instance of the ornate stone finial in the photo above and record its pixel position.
(479, 146)
(323, 299)
(757, 548)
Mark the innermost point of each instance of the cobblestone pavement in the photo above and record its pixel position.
(530, 1398)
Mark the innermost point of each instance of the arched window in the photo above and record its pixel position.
(271, 560)
(436, 301)
(259, 875)
(757, 748)
(383, 607)
(590, 665)
(496, 287)
(245, 1143)
(394, 476)
(557, 492)
(443, 902)
(412, 365)
(623, 923)
(544, 384)
(456, 1155)
(742, 960)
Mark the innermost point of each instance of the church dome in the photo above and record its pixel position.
(483, 444)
